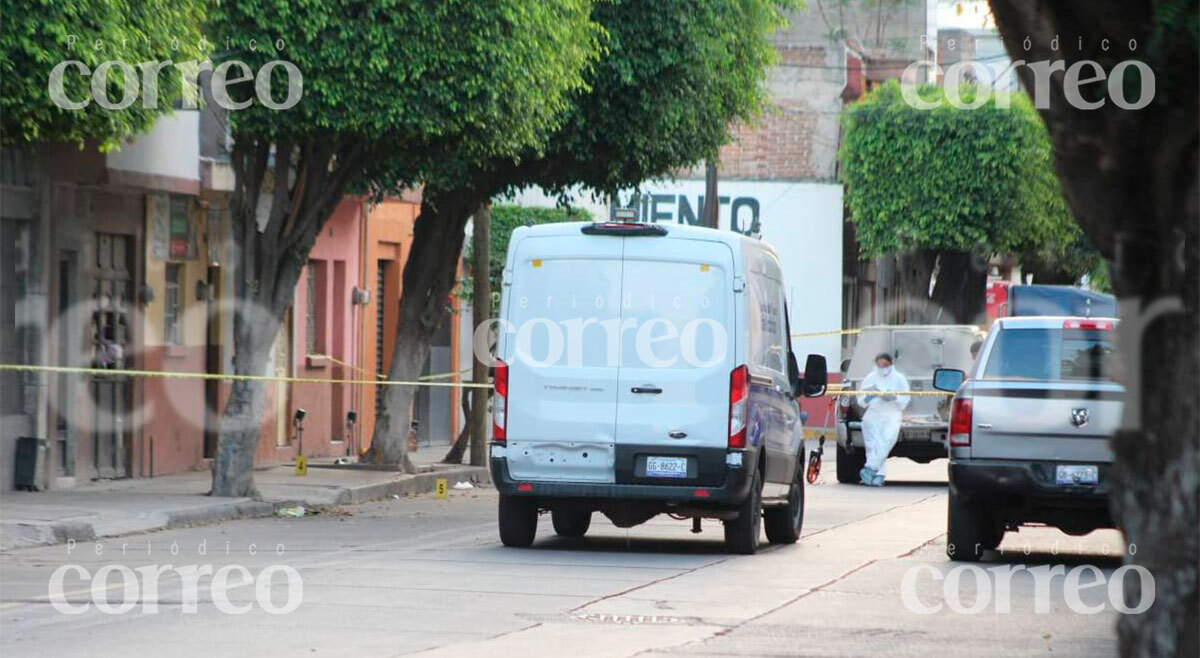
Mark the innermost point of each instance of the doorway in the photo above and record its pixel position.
(112, 295)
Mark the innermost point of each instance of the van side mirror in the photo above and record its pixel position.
(794, 374)
(845, 366)
(816, 376)
(948, 379)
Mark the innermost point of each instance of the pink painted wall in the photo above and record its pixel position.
(334, 259)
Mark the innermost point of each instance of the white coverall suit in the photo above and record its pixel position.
(881, 422)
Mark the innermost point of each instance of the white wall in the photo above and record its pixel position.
(171, 148)
(802, 221)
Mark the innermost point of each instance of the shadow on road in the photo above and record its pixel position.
(710, 542)
(1039, 558)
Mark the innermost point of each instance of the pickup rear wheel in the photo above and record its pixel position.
(741, 534)
(518, 521)
(783, 523)
(571, 523)
(849, 464)
(970, 530)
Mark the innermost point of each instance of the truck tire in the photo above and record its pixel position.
(849, 464)
(783, 524)
(570, 522)
(970, 530)
(741, 534)
(518, 521)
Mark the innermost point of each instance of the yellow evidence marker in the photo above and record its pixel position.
(301, 465)
(441, 488)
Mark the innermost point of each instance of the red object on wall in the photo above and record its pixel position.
(997, 300)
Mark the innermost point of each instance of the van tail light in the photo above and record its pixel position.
(500, 403)
(960, 422)
(739, 394)
(1090, 325)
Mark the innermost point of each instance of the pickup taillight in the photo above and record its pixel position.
(960, 422)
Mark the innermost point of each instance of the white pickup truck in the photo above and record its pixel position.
(1029, 431)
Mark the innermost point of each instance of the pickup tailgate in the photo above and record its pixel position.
(1045, 421)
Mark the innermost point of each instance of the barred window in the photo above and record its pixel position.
(314, 308)
(171, 303)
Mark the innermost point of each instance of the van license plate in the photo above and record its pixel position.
(666, 467)
(1077, 475)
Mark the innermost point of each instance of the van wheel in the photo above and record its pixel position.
(571, 523)
(741, 534)
(970, 530)
(849, 464)
(783, 523)
(518, 521)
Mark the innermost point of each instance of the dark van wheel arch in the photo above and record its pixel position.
(571, 522)
(783, 524)
(741, 534)
(518, 521)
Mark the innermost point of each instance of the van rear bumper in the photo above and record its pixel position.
(729, 490)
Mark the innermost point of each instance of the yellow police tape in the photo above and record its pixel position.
(381, 376)
(836, 393)
(835, 332)
(167, 374)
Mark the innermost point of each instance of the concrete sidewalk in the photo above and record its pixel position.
(108, 508)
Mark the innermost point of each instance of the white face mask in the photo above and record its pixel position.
(883, 371)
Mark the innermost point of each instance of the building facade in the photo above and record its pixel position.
(123, 262)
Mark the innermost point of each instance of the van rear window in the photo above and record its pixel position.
(1052, 354)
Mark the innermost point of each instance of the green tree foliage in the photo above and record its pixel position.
(951, 179)
(389, 87)
(39, 34)
(402, 76)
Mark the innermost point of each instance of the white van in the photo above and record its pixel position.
(646, 369)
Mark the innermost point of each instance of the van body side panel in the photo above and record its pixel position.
(563, 312)
(773, 421)
(677, 350)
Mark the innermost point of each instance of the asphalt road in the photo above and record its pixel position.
(429, 576)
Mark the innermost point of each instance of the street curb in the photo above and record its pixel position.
(413, 484)
(20, 534)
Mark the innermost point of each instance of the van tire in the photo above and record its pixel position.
(571, 523)
(970, 530)
(518, 521)
(783, 524)
(741, 534)
(849, 464)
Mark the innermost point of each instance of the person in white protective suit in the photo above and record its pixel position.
(881, 422)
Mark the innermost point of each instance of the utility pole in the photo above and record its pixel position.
(712, 202)
(481, 312)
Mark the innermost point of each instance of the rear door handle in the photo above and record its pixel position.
(646, 389)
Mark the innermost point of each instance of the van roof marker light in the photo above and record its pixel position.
(624, 229)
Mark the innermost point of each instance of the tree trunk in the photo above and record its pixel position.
(429, 276)
(959, 293)
(305, 182)
(1132, 181)
(910, 304)
(459, 448)
(481, 310)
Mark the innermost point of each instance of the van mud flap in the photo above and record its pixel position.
(564, 461)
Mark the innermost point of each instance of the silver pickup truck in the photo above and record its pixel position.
(1029, 431)
(918, 350)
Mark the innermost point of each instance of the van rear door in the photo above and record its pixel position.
(678, 345)
(563, 297)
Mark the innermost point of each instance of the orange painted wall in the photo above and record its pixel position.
(389, 236)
